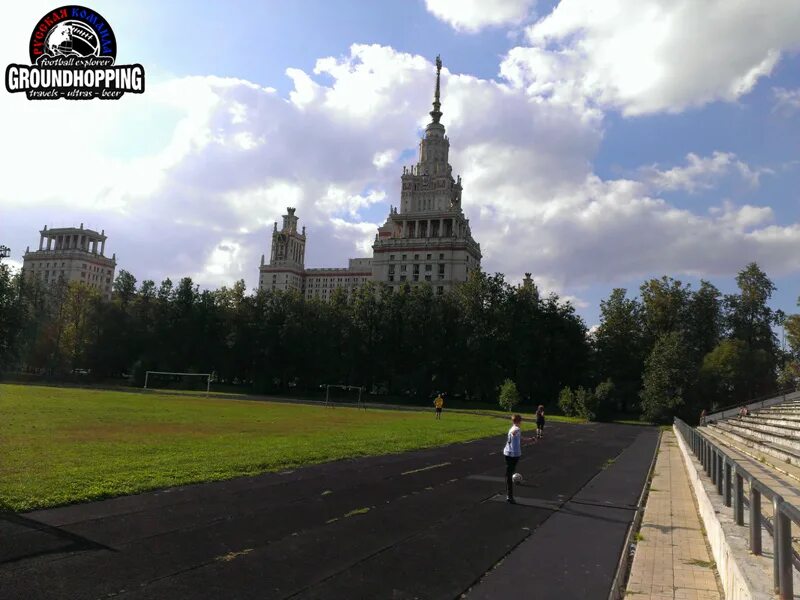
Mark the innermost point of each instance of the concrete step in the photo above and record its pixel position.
(769, 434)
(778, 410)
(790, 431)
(790, 451)
(791, 408)
(772, 456)
(769, 419)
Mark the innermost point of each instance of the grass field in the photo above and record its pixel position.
(63, 445)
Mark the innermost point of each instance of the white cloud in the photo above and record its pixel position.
(474, 15)
(645, 56)
(222, 264)
(384, 159)
(201, 202)
(786, 101)
(702, 173)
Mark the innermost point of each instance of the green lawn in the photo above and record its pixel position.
(62, 445)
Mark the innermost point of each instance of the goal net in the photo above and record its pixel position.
(344, 394)
(167, 380)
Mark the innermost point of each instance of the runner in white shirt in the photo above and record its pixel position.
(512, 453)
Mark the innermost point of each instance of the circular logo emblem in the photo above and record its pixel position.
(84, 33)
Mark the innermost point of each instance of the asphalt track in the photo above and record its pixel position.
(425, 524)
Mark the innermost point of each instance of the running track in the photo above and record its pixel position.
(425, 524)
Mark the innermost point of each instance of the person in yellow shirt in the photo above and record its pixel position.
(438, 403)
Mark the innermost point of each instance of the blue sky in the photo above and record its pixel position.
(599, 144)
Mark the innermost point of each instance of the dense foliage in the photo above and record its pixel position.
(409, 343)
(671, 350)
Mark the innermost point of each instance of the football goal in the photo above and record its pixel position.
(172, 381)
(330, 402)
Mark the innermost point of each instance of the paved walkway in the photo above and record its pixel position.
(672, 558)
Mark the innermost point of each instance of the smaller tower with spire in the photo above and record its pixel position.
(287, 256)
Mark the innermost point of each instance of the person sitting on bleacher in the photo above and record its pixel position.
(744, 412)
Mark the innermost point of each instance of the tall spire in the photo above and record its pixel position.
(436, 114)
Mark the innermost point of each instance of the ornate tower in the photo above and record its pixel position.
(288, 246)
(429, 185)
(429, 233)
(287, 256)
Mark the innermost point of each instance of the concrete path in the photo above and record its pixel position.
(672, 559)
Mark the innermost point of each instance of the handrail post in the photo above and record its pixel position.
(727, 483)
(755, 520)
(720, 478)
(703, 453)
(785, 556)
(776, 544)
(714, 466)
(738, 509)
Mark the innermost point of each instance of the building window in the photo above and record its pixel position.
(427, 277)
(404, 257)
(416, 257)
(439, 290)
(391, 257)
(428, 267)
(391, 277)
(441, 256)
(402, 268)
(416, 277)
(416, 269)
(441, 269)
(402, 277)
(428, 257)
(391, 269)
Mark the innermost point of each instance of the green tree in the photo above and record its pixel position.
(566, 402)
(621, 346)
(509, 396)
(665, 304)
(750, 319)
(667, 377)
(723, 374)
(124, 287)
(792, 328)
(704, 320)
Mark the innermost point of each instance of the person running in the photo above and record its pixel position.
(540, 422)
(512, 453)
(438, 403)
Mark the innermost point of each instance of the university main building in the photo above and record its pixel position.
(426, 240)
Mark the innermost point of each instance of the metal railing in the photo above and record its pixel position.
(728, 476)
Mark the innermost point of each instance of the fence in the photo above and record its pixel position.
(728, 476)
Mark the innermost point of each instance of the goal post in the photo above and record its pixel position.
(330, 404)
(206, 375)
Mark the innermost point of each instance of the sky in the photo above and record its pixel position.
(600, 142)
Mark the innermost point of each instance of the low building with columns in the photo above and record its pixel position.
(426, 241)
(72, 254)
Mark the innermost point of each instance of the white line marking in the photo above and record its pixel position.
(444, 464)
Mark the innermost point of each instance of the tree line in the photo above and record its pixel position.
(671, 350)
